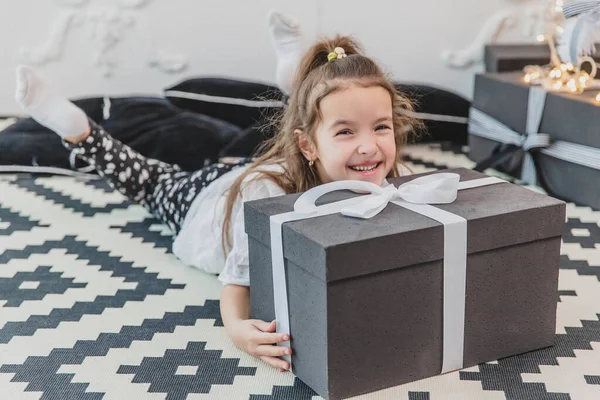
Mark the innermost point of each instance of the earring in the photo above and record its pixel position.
(311, 163)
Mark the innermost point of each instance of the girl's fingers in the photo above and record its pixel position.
(270, 338)
(276, 362)
(273, 351)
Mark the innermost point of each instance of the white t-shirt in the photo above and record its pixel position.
(199, 243)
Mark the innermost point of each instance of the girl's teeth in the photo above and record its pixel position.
(372, 167)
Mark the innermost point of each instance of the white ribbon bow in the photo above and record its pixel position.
(439, 188)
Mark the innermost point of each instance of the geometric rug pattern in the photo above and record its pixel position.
(93, 305)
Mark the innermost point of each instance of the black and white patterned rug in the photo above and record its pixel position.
(95, 306)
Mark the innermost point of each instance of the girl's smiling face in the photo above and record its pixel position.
(355, 137)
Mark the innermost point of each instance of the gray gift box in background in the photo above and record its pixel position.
(573, 118)
(515, 57)
(365, 296)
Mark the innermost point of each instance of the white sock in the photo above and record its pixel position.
(288, 39)
(46, 106)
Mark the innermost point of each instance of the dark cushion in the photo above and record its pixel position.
(444, 113)
(241, 103)
(151, 126)
(250, 104)
(247, 143)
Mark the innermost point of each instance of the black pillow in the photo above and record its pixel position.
(248, 105)
(241, 103)
(247, 143)
(151, 126)
(444, 113)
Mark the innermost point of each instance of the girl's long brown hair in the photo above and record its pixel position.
(316, 78)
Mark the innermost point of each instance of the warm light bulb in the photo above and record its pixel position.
(570, 66)
(541, 38)
(555, 73)
(527, 78)
(598, 97)
(572, 85)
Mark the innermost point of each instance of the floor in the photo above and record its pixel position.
(95, 306)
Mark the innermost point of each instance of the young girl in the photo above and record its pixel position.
(344, 120)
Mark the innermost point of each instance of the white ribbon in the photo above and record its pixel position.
(415, 195)
(535, 110)
(482, 125)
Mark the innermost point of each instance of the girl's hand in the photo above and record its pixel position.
(257, 338)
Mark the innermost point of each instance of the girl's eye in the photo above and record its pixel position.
(382, 127)
(344, 132)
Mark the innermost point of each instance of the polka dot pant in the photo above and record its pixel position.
(163, 189)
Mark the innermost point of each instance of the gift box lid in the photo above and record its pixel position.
(498, 215)
(512, 57)
(570, 117)
(500, 57)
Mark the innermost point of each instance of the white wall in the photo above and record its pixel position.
(229, 38)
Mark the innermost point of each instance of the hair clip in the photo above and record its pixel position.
(337, 54)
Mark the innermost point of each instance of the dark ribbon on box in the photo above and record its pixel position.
(415, 195)
(511, 142)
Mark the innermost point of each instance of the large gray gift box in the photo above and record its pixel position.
(365, 295)
(569, 168)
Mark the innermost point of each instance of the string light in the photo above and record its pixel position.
(557, 85)
(558, 6)
(558, 75)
